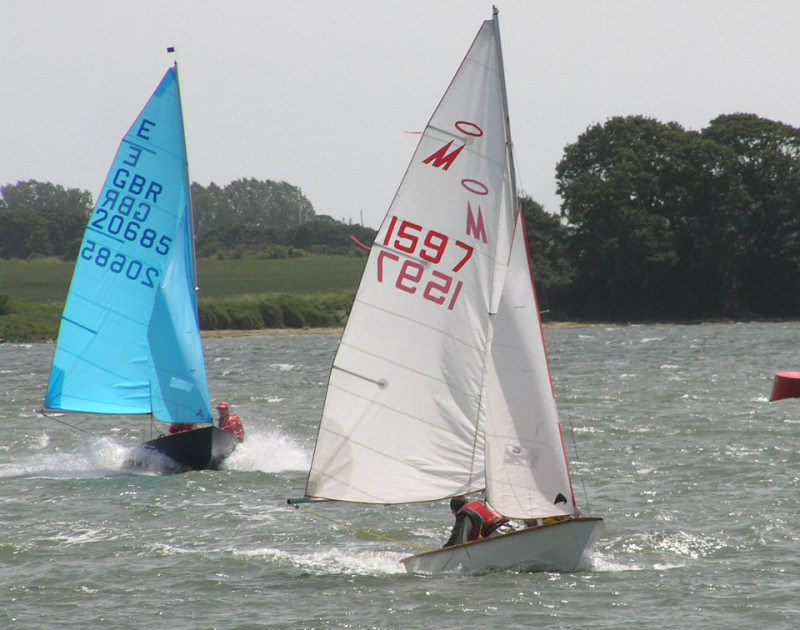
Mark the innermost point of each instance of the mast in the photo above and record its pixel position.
(506, 118)
(482, 401)
(541, 482)
(190, 211)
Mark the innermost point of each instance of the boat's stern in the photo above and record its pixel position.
(560, 546)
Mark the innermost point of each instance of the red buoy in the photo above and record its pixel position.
(786, 385)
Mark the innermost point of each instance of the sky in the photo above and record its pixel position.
(322, 94)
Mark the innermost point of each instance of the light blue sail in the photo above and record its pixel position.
(129, 341)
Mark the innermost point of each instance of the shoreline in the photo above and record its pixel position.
(271, 331)
(340, 329)
(212, 334)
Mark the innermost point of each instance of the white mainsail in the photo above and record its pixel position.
(440, 385)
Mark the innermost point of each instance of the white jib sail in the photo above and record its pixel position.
(402, 414)
(526, 467)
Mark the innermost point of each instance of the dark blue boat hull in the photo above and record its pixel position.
(199, 449)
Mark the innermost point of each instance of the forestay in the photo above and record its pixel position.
(417, 380)
(129, 340)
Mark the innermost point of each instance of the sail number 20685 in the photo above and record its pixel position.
(430, 246)
(131, 231)
(116, 262)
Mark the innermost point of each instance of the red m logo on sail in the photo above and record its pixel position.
(442, 158)
(476, 227)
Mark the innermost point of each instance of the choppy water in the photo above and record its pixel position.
(673, 442)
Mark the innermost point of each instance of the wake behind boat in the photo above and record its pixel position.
(441, 384)
(129, 341)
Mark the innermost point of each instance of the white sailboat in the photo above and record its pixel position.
(441, 386)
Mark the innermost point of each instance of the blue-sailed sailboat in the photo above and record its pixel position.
(129, 341)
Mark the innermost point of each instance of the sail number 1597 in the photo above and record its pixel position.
(430, 246)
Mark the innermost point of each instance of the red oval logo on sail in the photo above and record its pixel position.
(469, 129)
(474, 186)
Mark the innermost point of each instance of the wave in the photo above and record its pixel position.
(271, 452)
(97, 457)
(336, 561)
(101, 456)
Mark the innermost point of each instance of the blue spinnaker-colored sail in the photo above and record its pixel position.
(129, 341)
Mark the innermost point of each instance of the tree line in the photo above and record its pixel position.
(245, 217)
(657, 222)
(665, 222)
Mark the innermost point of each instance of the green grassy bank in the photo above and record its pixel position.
(244, 294)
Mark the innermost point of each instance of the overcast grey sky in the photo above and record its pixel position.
(321, 94)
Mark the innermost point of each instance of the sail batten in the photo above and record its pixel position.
(129, 340)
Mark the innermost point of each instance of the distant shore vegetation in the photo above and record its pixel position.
(239, 294)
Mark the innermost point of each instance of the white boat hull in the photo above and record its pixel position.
(561, 546)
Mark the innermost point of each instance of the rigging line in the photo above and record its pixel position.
(480, 419)
(578, 457)
(65, 423)
(364, 531)
(154, 430)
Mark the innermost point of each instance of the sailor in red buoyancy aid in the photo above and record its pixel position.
(474, 520)
(230, 422)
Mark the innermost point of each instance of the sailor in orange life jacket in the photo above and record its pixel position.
(230, 422)
(474, 520)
